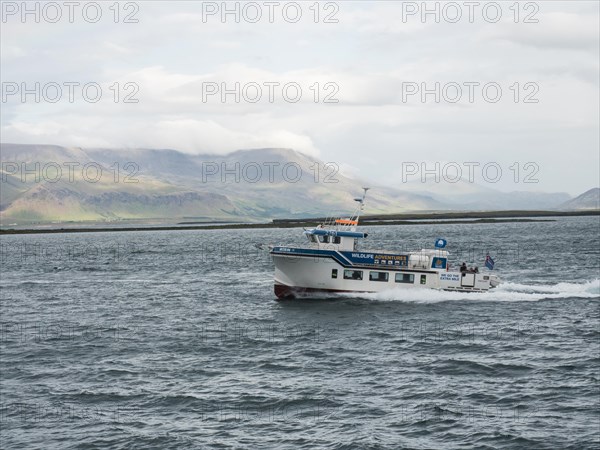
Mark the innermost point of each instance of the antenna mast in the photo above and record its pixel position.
(361, 205)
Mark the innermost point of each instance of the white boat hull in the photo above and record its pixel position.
(297, 275)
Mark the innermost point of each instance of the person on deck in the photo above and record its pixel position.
(463, 268)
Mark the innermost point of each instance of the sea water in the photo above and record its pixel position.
(174, 339)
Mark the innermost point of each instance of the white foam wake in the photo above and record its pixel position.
(514, 292)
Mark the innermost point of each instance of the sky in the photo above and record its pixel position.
(503, 94)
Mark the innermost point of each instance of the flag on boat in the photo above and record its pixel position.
(440, 243)
(489, 262)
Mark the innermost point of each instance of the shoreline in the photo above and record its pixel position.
(484, 217)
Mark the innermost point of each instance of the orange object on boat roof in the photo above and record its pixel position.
(347, 221)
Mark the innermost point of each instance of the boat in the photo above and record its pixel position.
(333, 262)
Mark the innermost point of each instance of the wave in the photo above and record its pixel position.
(507, 291)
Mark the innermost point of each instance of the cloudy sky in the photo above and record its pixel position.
(349, 82)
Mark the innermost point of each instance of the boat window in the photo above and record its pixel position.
(324, 239)
(405, 278)
(337, 239)
(379, 276)
(423, 279)
(333, 273)
(313, 238)
(353, 274)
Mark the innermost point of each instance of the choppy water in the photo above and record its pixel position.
(174, 340)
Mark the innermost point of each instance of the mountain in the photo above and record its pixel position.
(47, 183)
(468, 196)
(44, 183)
(588, 200)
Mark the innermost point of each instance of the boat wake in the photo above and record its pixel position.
(512, 292)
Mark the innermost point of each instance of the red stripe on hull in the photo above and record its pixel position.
(284, 292)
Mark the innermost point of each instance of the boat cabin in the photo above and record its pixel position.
(338, 240)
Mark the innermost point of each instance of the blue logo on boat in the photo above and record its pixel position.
(440, 243)
(438, 263)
